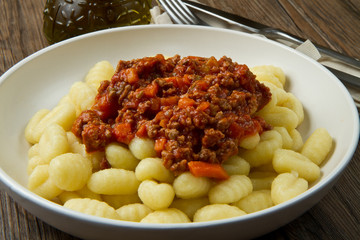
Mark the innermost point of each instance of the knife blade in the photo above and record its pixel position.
(248, 25)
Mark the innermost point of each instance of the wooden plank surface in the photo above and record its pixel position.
(335, 24)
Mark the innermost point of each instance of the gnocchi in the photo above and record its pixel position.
(133, 212)
(255, 201)
(92, 207)
(270, 168)
(290, 161)
(101, 71)
(287, 186)
(231, 190)
(113, 181)
(153, 168)
(156, 195)
(41, 184)
(317, 146)
(218, 211)
(188, 186)
(120, 157)
(70, 171)
(169, 215)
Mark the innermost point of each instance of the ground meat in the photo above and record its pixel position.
(96, 136)
(104, 164)
(84, 118)
(195, 108)
(211, 137)
(94, 133)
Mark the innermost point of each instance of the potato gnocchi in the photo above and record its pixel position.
(269, 169)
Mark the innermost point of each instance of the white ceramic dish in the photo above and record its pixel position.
(41, 79)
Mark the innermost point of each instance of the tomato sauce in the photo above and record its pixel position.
(194, 108)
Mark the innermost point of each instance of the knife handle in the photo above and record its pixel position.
(347, 79)
(271, 33)
(274, 33)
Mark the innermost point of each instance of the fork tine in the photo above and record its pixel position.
(179, 12)
(186, 13)
(173, 14)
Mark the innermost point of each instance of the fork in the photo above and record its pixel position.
(180, 13)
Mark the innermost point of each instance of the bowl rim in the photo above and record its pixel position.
(13, 187)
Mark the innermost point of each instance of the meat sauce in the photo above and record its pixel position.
(194, 108)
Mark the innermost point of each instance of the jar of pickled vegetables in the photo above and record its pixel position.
(68, 18)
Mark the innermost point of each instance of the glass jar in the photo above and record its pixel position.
(68, 18)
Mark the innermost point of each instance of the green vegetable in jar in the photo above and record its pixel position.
(68, 18)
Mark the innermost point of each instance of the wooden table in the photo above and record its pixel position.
(335, 24)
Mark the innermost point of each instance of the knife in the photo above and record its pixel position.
(276, 34)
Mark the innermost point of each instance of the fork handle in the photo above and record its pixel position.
(273, 33)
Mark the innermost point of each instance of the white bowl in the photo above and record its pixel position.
(41, 79)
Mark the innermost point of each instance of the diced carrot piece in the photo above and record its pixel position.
(163, 122)
(173, 80)
(155, 104)
(242, 69)
(160, 144)
(185, 102)
(180, 82)
(141, 132)
(105, 106)
(160, 115)
(203, 106)
(204, 169)
(123, 133)
(212, 62)
(202, 85)
(185, 80)
(169, 101)
(151, 89)
(131, 75)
